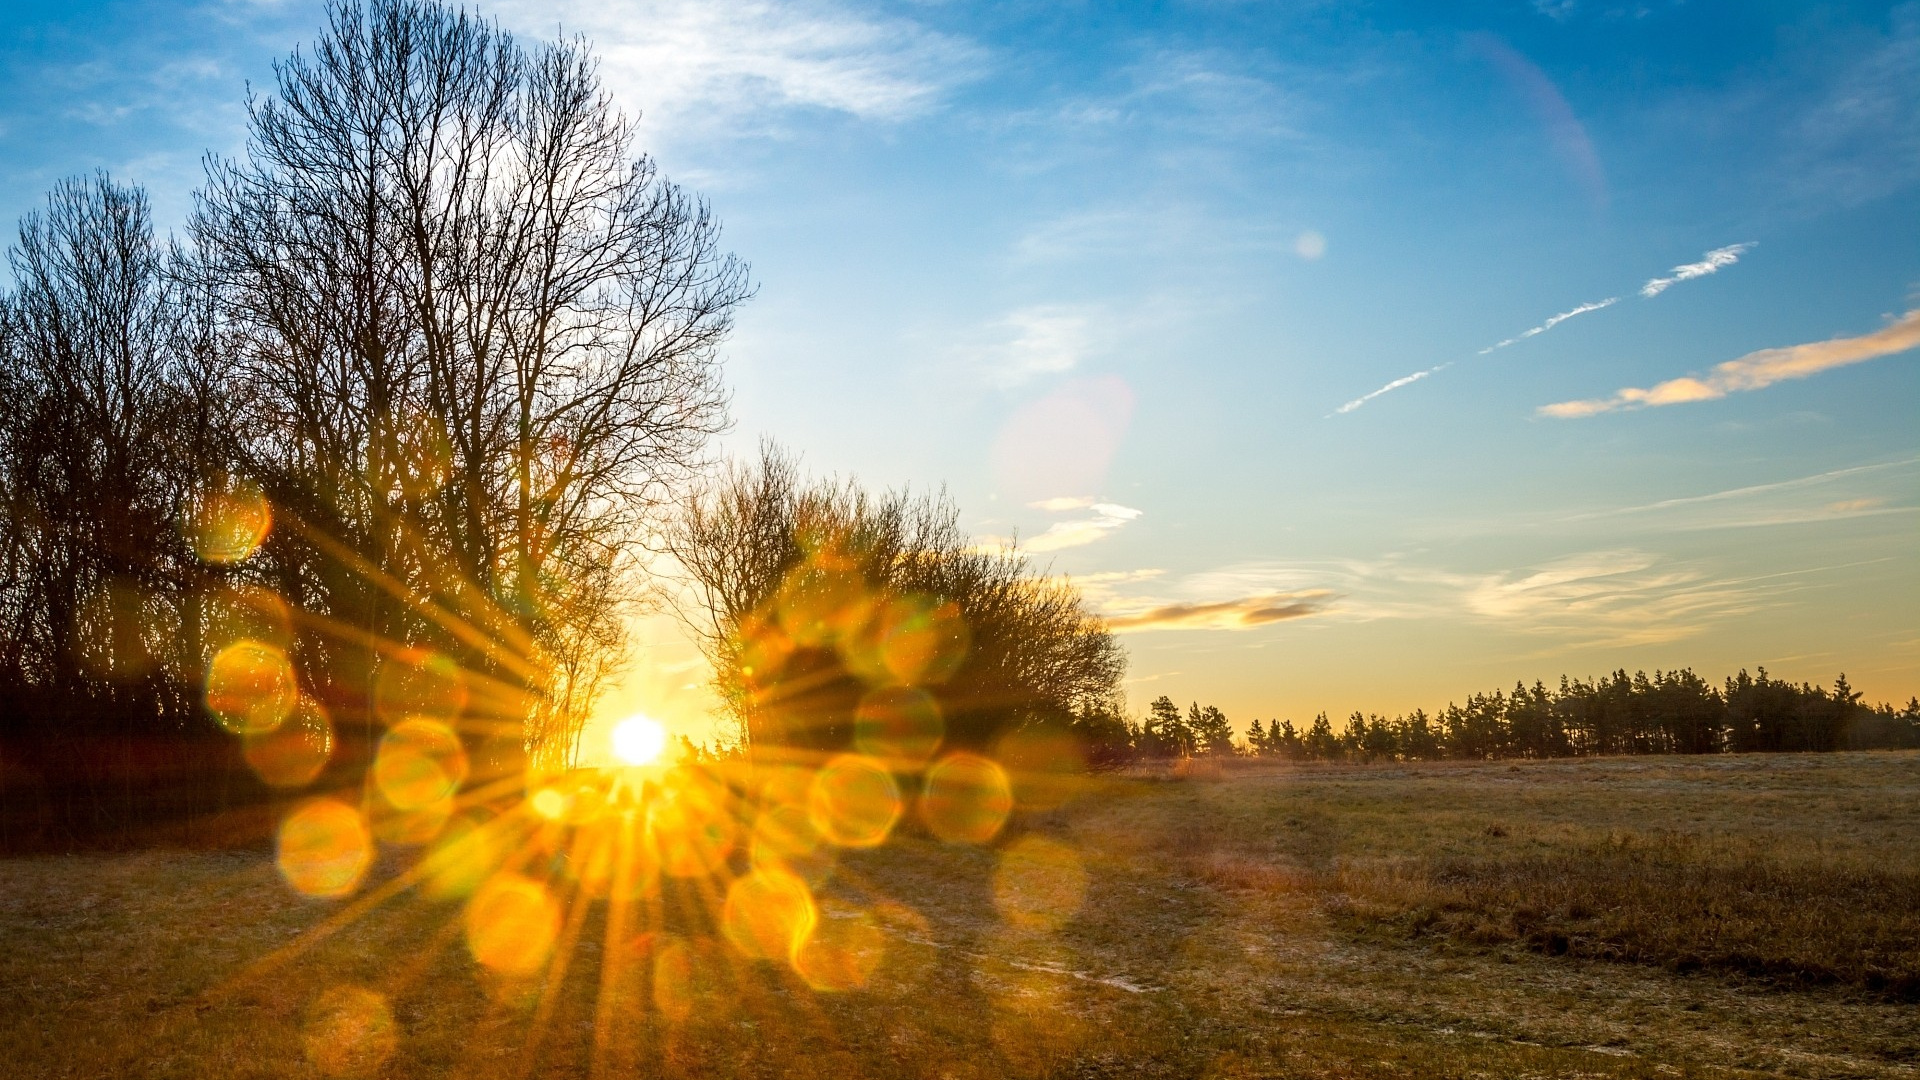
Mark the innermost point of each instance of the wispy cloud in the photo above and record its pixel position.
(714, 65)
(1043, 339)
(1709, 263)
(1609, 597)
(1404, 380)
(1551, 323)
(1754, 371)
(1763, 492)
(1244, 613)
(1063, 503)
(1106, 518)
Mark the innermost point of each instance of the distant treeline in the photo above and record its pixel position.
(1669, 712)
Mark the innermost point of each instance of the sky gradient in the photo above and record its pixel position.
(1348, 355)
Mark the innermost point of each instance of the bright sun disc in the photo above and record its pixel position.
(638, 740)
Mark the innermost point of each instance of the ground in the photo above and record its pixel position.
(1739, 915)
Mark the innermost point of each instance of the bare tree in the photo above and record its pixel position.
(91, 443)
(809, 595)
(474, 337)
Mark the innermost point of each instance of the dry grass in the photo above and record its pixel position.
(1669, 899)
(1338, 922)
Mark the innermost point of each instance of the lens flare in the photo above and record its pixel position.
(854, 801)
(821, 601)
(550, 803)
(512, 923)
(911, 640)
(841, 953)
(419, 763)
(900, 725)
(1039, 884)
(419, 683)
(413, 826)
(467, 852)
(294, 753)
(241, 612)
(784, 839)
(609, 860)
(768, 914)
(349, 1032)
(967, 799)
(250, 687)
(639, 740)
(324, 848)
(230, 524)
(763, 649)
(687, 976)
(692, 823)
(1046, 765)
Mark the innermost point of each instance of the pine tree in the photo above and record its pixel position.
(1321, 742)
(1212, 731)
(1165, 732)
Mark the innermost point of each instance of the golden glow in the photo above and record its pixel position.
(842, 952)
(676, 977)
(692, 822)
(420, 762)
(466, 853)
(324, 848)
(639, 740)
(822, 601)
(784, 839)
(419, 683)
(349, 1032)
(900, 725)
(413, 826)
(294, 753)
(967, 799)
(910, 640)
(229, 525)
(251, 687)
(854, 801)
(768, 914)
(550, 803)
(1039, 884)
(512, 922)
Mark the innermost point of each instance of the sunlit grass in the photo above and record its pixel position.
(1141, 927)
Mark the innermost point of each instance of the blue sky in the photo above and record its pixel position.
(1110, 273)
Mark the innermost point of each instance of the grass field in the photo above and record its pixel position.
(1721, 916)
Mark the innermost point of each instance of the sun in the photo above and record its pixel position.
(639, 740)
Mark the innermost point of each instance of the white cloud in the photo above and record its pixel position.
(1063, 503)
(1710, 263)
(713, 65)
(1754, 371)
(1044, 339)
(1396, 384)
(1551, 323)
(1106, 518)
(1310, 245)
